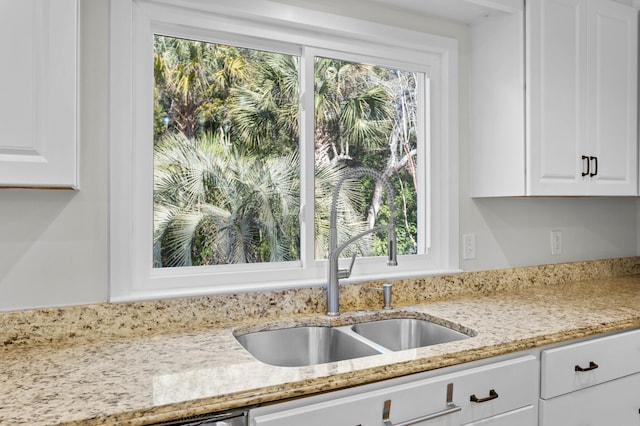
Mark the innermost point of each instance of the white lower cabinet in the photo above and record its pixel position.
(592, 383)
(498, 394)
(614, 403)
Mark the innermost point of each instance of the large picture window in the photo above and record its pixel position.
(236, 140)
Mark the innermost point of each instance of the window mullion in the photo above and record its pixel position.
(307, 184)
(424, 169)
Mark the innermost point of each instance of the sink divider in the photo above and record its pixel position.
(348, 330)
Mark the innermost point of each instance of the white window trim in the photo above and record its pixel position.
(133, 22)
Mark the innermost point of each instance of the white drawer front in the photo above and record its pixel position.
(615, 403)
(605, 359)
(512, 381)
(411, 402)
(526, 416)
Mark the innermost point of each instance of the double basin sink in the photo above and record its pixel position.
(310, 345)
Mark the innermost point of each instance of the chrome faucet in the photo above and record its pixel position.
(335, 274)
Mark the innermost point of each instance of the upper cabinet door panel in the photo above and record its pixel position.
(613, 74)
(38, 92)
(557, 94)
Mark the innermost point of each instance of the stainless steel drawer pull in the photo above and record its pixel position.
(453, 408)
(492, 395)
(592, 366)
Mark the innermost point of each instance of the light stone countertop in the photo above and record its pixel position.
(141, 377)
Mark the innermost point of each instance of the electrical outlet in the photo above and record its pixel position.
(469, 246)
(556, 242)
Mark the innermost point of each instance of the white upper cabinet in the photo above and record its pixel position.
(582, 98)
(38, 93)
(579, 108)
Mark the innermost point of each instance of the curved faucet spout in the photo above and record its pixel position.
(334, 274)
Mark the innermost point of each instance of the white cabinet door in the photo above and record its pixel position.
(526, 416)
(557, 58)
(614, 403)
(612, 77)
(38, 93)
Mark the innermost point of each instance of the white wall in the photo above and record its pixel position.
(54, 244)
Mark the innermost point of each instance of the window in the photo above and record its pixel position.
(230, 130)
(226, 157)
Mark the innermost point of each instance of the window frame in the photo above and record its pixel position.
(262, 24)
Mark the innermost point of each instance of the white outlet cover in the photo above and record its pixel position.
(469, 246)
(556, 242)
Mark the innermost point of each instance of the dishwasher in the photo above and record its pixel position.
(233, 418)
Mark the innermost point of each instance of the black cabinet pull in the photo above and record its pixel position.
(588, 162)
(595, 160)
(492, 395)
(592, 366)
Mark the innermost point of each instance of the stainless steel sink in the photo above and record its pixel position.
(307, 345)
(406, 333)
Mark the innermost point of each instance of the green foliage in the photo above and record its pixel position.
(226, 138)
(264, 111)
(215, 206)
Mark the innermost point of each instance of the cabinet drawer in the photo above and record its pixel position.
(614, 403)
(511, 383)
(526, 416)
(604, 359)
(498, 388)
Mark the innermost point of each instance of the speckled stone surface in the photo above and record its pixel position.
(137, 363)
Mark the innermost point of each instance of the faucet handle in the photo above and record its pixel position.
(346, 272)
